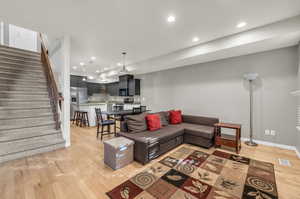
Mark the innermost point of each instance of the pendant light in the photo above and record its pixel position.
(124, 69)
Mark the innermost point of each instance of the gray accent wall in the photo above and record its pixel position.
(217, 89)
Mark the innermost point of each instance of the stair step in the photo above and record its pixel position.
(13, 108)
(23, 95)
(24, 113)
(28, 125)
(27, 114)
(31, 121)
(42, 127)
(25, 71)
(22, 87)
(20, 61)
(30, 133)
(22, 103)
(19, 56)
(18, 146)
(21, 76)
(32, 152)
(14, 81)
(16, 65)
(19, 51)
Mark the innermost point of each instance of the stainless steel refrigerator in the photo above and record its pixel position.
(78, 96)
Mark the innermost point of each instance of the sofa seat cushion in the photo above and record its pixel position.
(162, 135)
(198, 130)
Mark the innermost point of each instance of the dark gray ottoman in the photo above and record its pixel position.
(118, 152)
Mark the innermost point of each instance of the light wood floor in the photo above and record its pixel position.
(78, 172)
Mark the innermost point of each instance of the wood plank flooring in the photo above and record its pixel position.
(78, 172)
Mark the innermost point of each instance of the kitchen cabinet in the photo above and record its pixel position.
(113, 89)
(134, 87)
(95, 88)
(76, 81)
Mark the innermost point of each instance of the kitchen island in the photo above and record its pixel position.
(90, 108)
(105, 107)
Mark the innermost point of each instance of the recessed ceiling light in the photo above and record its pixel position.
(81, 63)
(171, 19)
(90, 77)
(119, 64)
(195, 39)
(241, 24)
(97, 71)
(74, 67)
(93, 58)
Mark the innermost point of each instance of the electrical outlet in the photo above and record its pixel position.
(273, 132)
(267, 132)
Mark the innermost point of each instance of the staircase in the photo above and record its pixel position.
(27, 124)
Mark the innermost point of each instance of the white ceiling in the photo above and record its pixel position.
(106, 28)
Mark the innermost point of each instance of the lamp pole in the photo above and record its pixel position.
(251, 77)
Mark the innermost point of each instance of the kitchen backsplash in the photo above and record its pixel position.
(117, 99)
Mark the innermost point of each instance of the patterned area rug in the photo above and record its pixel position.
(193, 174)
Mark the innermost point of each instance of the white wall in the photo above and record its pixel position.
(59, 53)
(217, 89)
(298, 99)
(1, 33)
(22, 38)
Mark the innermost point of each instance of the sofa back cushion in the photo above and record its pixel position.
(208, 121)
(164, 118)
(153, 122)
(136, 123)
(175, 117)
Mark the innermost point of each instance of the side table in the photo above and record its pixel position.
(228, 140)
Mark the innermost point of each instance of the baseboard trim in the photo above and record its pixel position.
(282, 146)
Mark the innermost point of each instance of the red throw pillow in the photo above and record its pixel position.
(175, 117)
(153, 122)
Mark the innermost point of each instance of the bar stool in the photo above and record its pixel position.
(75, 117)
(84, 118)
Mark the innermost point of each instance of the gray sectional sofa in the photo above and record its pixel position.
(149, 145)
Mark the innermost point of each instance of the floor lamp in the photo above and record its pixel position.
(251, 77)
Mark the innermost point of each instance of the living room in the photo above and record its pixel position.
(173, 100)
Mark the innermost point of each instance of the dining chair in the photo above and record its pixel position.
(104, 122)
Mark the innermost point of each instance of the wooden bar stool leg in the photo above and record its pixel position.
(102, 131)
(74, 117)
(98, 126)
(87, 119)
(81, 119)
(77, 118)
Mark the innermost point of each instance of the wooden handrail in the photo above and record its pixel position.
(55, 97)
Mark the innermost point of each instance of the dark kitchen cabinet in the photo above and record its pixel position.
(95, 88)
(76, 81)
(113, 89)
(134, 87)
